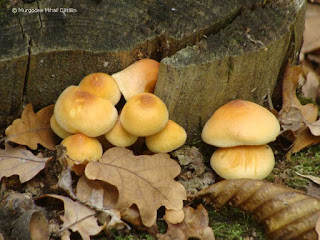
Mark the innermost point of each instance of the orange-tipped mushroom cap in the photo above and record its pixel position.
(254, 162)
(119, 137)
(101, 85)
(57, 129)
(78, 111)
(240, 122)
(80, 150)
(140, 77)
(168, 139)
(144, 114)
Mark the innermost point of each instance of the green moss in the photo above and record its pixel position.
(306, 162)
(232, 223)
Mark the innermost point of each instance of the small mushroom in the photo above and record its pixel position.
(57, 129)
(80, 150)
(254, 162)
(139, 77)
(101, 85)
(168, 139)
(174, 217)
(241, 122)
(78, 111)
(144, 114)
(119, 137)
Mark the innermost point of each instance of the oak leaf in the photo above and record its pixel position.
(33, 128)
(78, 217)
(286, 213)
(194, 225)
(19, 161)
(147, 181)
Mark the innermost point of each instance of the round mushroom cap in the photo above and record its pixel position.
(80, 150)
(78, 111)
(119, 137)
(57, 129)
(168, 139)
(241, 122)
(101, 85)
(254, 162)
(174, 217)
(144, 114)
(139, 77)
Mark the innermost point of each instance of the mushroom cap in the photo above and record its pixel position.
(80, 150)
(168, 139)
(241, 122)
(174, 217)
(78, 111)
(57, 129)
(101, 85)
(144, 114)
(139, 77)
(119, 137)
(254, 162)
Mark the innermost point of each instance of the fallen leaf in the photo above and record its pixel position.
(147, 181)
(97, 193)
(310, 177)
(312, 23)
(286, 213)
(311, 86)
(21, 162)
(33, 128)
(76, 217)
(318, 228)
(314, 127)
(194, 225)
(313, 190)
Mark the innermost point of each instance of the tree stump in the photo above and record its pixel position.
(210, 51)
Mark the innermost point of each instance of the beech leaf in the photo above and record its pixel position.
(21, 162)
(147, 181)
(33, 128)
(194, 225)
(286, 213)
(76, 217)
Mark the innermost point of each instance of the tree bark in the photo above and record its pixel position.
(210, 51)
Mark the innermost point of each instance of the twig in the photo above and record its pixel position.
(60, 232)
(269, 99)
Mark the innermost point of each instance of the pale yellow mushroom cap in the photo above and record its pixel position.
(174, 217)
(119, 137)
(139, 77)
(78, 111)
(254, 162)
(241, 122)
(80, 150)
(57, 129)
(168, 139)
(101, 85)
(144, 114)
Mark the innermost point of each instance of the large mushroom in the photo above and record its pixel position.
(241, 128)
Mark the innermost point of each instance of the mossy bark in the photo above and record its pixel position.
(210, 51)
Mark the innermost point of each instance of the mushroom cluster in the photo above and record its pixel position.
(87, 111)
(242, 130)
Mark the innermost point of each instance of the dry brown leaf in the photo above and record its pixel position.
(304, 139)
(318, 228)
(312, 25)
(21, 162)
(194, 225)
(33, 128)
(311, 86)
(147, 181)
(286, 213)
(314, 127)
(310, 177)
(76, 217)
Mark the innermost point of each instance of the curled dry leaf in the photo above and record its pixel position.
(147, 181)
(310, 177)
(33, 128)
(21, 162)
(311, 35)
(76, 217)
(194, 225)
(286, 213)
